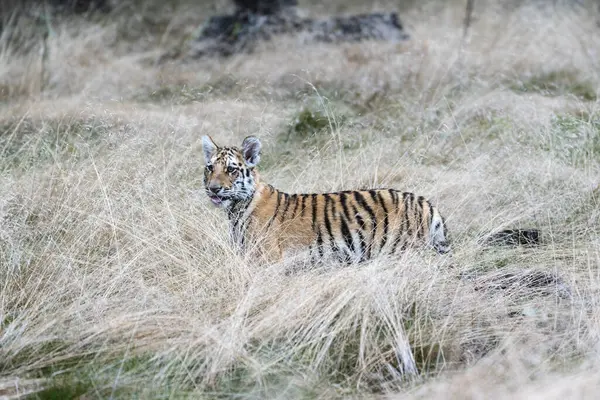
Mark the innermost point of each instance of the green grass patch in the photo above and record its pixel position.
(313, 128)
(316, 127)
(5, 321)
(70, 377)
(307, 124)
(575, 138)
(63, 389)
(557, 83)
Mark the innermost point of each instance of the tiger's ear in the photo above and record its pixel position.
(251, 151)
(209, 147)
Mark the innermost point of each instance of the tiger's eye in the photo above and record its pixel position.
(209, 168)
(230, 169)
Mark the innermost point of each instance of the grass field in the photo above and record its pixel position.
(116, 276)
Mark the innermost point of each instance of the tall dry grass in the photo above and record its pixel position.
(117, 278)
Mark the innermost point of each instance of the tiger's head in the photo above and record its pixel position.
(229, 174)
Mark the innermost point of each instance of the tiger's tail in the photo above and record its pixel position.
(438, 236)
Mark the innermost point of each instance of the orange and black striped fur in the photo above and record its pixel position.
(351, 225)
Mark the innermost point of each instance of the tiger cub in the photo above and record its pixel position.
(353, 225)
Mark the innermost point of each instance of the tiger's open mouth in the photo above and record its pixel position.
(217, 200)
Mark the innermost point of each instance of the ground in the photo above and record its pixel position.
(117, 278)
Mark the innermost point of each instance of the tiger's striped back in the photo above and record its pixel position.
(352, 226)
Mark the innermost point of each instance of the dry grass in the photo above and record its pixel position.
(116, 274)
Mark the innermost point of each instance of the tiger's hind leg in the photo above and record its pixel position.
(438, 237)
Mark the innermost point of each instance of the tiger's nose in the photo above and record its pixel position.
(214, 189)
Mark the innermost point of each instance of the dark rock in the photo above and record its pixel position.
(355, 28)
(514, 237)
(224, 35)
